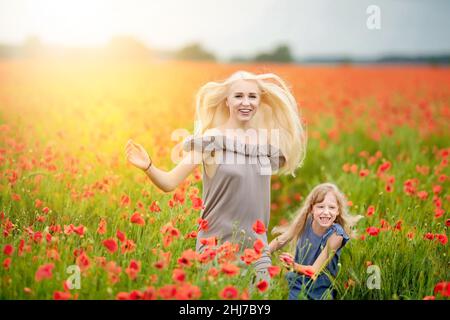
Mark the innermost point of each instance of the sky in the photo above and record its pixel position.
(236, 27)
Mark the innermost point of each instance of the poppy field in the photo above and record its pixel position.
(78, 222)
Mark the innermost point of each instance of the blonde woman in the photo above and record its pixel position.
(320, 229)
(247, 128)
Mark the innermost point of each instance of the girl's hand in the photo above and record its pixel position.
(306, 270)
(287, 260)
(136, 155)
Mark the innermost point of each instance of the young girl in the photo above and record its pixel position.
(320, 230)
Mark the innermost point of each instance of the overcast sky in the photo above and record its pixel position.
(236, 27)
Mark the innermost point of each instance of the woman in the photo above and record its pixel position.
(247, 127)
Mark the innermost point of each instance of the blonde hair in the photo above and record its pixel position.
(317, 195)
(277, 110)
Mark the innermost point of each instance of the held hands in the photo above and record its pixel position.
(137, 156)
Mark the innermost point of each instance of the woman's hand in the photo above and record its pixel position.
(136, 155)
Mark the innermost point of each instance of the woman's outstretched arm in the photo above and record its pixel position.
(166, 181)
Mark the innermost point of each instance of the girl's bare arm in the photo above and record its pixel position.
(333, 244)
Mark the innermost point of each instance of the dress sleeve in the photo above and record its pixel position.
(200, 144)
(275, 156)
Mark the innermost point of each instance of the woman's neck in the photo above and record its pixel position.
(236, 124)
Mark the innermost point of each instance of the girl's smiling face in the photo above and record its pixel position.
(325, 212)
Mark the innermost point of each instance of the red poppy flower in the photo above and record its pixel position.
(274, 271)
(259, 227)
(101, 226)
(83, 261)
(133, 269)
(38, 203)
(191, 235)
(44, 272)
(429, 236)
(385, 166)
(136, 218)
(197, 203)
(250, 255)
(128, 246)
(187, 258)
(111, 245)
(154, 207)
(37, 237)
(422, 195)
(258, 245)
(364, 173)
(168, 291)
(370, 211)
(8, 249)
(229, 292)
(60, 295)
(437, 189)
(178, 275)
(442, 288)
(121, 236)
(262, 285)
(438, 212)
(136, 295)
(203, 224)
(150, 294)
(442, 238)
(346, 167)
(16, 197)
(213, 272)
(209, 242)
(389, 188)
(123, 296)
(373, 231)
(124, 201)
(230, 269)
(6, 263)
(187, 291)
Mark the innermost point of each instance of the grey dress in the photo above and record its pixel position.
(239, 192)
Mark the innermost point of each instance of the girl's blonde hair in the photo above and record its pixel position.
(277, 110)
(317, 195)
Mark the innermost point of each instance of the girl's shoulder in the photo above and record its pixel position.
(337, 229)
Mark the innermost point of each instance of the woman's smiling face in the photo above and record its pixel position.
(243, 100)
(325, 212)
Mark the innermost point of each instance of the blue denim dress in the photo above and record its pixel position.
(309, 247)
